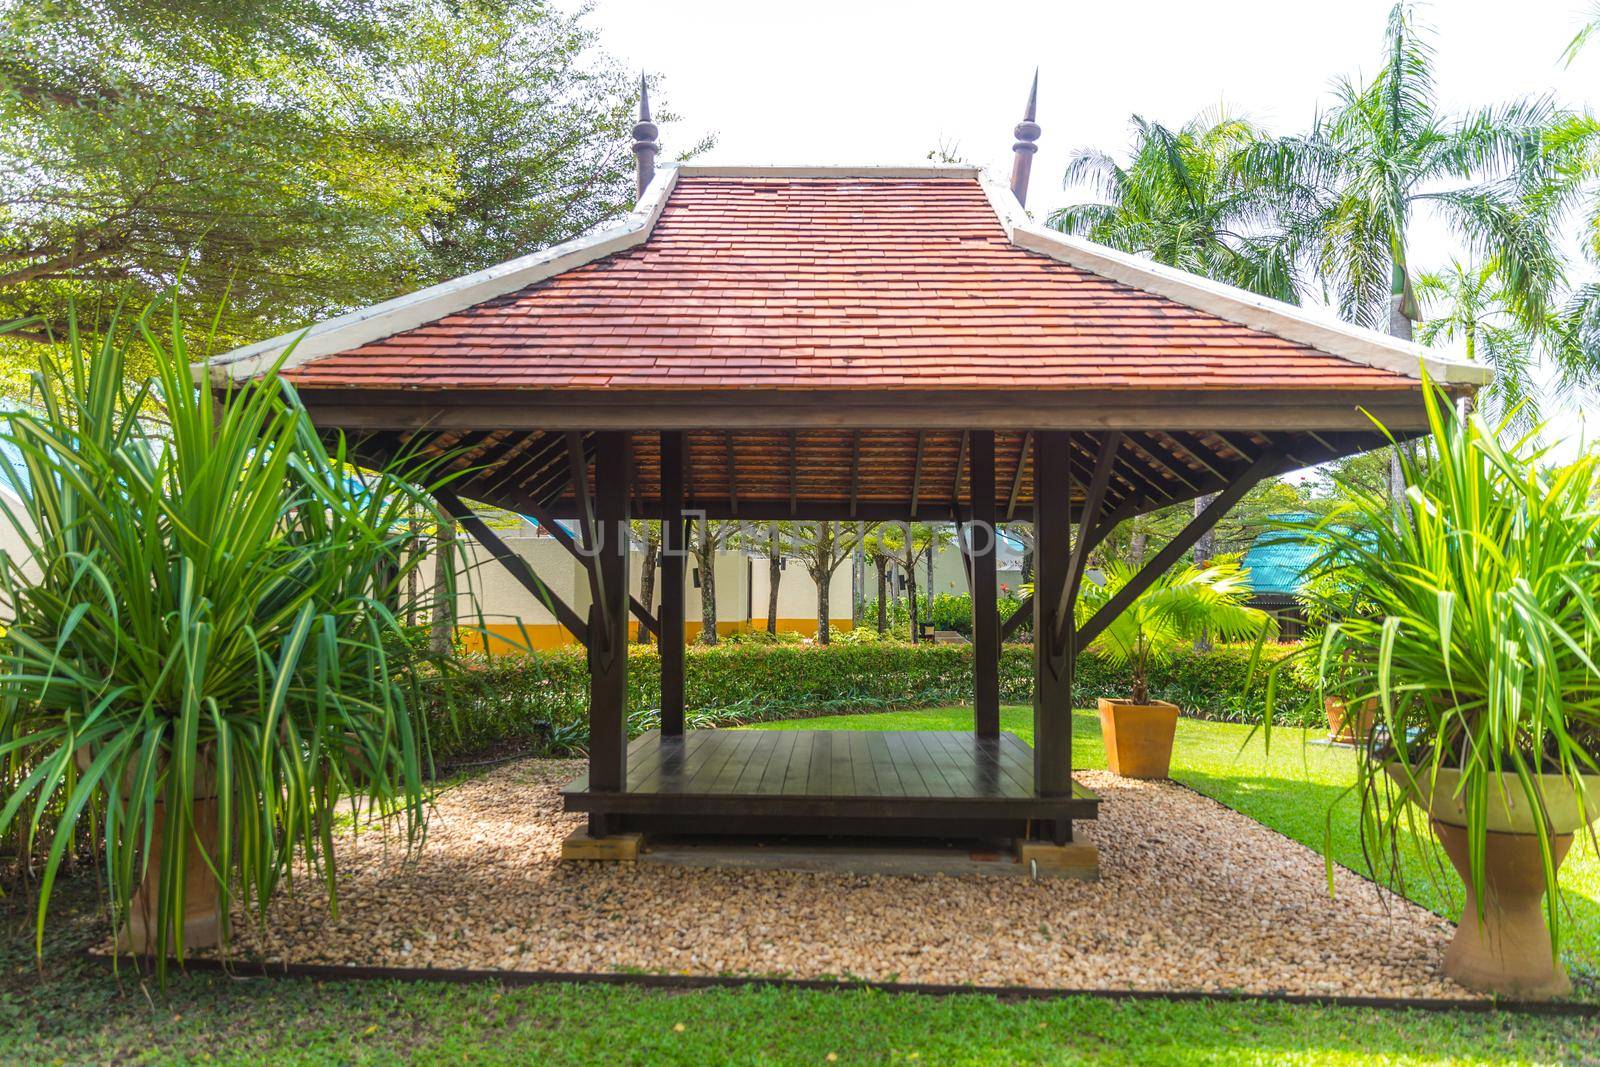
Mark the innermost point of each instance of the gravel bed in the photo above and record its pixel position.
(1192, 896)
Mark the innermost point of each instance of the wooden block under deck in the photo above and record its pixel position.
(1076, 860)
(617, 848)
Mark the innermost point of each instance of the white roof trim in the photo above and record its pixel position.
(1308, 327)
(364, 325)
(1321, 331)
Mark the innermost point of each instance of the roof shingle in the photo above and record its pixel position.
(776, 282)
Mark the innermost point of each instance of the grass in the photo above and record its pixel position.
(70, 1012)
(1297, 788)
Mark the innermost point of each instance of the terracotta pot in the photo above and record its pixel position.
(201, 904)
(201, 896)
(1345, 728)
(1138, 737)
(1509, 811)
(1508, 950)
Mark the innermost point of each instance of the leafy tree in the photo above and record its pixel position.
(213, 145)
(875, 546)
(706, 536)
(909, 543)
(822, 547)
(1183, 201)
(535, 120)
(289, 159)
(647, 533)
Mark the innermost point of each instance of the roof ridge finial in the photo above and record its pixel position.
(645, 133)
(1026, 133)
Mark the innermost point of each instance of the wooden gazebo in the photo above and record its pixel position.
(845, 344)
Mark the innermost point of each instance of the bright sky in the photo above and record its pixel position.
(875, 81)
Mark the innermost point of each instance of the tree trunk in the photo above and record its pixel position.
(883, 594)
(774, 576)
(414, 575)
(444, 588)
(1399, 326)
(1027, 566)
(823, 619)
(911, 591)
(1136, 546)
(647, 581)
(706, 556)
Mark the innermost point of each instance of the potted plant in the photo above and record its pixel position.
(1329, 595)
(1480, 653)
(1180, 606)
(204, 655)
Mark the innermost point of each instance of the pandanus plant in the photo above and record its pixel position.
(204, 655)
(1478, 643)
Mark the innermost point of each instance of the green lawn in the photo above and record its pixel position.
(72, 1012)
(1294, 787)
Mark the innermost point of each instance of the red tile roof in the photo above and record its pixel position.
(834, 282)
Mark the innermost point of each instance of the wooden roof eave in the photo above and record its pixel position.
(1399, 409)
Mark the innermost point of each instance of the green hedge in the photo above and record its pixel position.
(540, 701)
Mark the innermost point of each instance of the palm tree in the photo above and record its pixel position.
(1181, 605)
(1479, 313)
(1181, 200)
(1385, 152)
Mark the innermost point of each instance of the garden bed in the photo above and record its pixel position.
(1193, 897)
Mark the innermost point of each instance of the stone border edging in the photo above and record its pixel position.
(356, 973)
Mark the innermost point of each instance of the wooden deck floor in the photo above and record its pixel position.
(830, 781)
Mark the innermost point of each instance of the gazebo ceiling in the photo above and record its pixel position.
(830, 339)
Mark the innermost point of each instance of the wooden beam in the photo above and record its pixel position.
(542, 515)
(1024, 610)
(983, 580)
(674, 546)
(578, 461)
(733, 476)
(1091, 410)
(1198, 451)
(794, 473)
(1052, 663)
(1107, 613)
(1016, 478)
(1094, 501)
(961, 464)
(512, 562)
(608, 630)
(1171, 469)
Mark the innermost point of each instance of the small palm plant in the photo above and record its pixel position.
(1210, 598)
(204, 656)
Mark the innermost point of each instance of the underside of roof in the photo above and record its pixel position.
(831, 339)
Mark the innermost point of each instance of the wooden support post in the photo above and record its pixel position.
(985, 590)
(608, 622)
(1052, 660)
(670, 638)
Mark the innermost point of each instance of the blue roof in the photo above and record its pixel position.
(1278, 560)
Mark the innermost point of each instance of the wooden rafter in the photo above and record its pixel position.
(1264, 466)
(1094, 502)
(1016, 478)
(513, 563)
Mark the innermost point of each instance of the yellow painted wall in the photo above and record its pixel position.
(505, 638)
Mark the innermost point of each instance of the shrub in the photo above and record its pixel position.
(540, 701)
